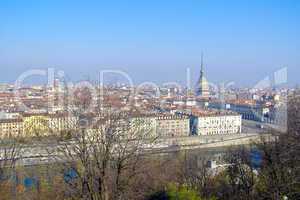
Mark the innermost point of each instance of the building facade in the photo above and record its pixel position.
(219, 124)
(172, 126)
(11, 127)
(32, 125)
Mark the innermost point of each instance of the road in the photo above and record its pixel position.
(249, 126)
(39, 154)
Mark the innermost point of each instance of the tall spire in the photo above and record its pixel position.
(202, 62)
(203, 88)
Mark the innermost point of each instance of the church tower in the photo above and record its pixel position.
(203, 87)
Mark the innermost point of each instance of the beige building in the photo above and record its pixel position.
(172, 126)
(159, 125)
(62, 122)
(48, 124)
(146, 124)
(11, 127)
(30, 125)
(154, 125)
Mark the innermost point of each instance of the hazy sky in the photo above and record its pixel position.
(154, 40)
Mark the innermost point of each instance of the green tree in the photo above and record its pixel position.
(174, 192)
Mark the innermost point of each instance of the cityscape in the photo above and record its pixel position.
(106, 136)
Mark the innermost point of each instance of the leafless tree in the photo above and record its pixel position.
(279, 175)
(240, 174)
(10, 153)
(104, 153)
(196, 173)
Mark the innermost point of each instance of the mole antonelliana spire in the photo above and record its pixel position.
(202, 63)
(203, 88)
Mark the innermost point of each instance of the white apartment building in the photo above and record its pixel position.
(218, 124)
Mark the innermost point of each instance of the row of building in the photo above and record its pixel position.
(177, 124)
(29, 125)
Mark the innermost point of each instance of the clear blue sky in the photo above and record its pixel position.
(154, 40)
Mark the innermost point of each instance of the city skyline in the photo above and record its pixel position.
(149, 100)
(242, 42)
